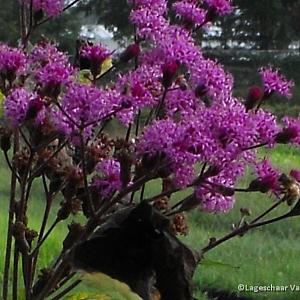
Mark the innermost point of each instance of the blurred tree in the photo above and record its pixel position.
(265, 24)
(64, 29)
(9, 22)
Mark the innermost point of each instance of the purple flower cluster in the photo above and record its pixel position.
(50, 67)
(192, 117)
(96, 55)
(189, 12)
(267, 178)
(221, 7)
(17, 104)
(54, 74)
(274, 82)
(12, 61)
(44, 53)
(108, 177)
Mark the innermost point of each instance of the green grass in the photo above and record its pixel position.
(268, 255)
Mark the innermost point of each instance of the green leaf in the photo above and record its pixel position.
(103, 287)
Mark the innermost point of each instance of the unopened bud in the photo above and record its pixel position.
(286, 135)
(75, 231)
(34, 107)
(132, 51)
(5, 141)
(255, 94)
(169, 71)
(245, 211)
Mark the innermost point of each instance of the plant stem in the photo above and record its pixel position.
(86, 187)
(40, 167)
(43, 225)
(246, 227)
(66, 290)
(15, 273)
(13, 186)
(40, 243)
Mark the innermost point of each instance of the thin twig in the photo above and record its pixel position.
(40, 243)
(66, 290)
(247, 226)
(40, 167)
(13, 186)
(50, 18)
(84, 171)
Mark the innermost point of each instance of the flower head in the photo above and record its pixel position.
(53, 75)
(108, 179)
(255, 94)
(275, 82)
(220, 7)
(13, 61)
(290, 133)
(96, 55)
(17, 103)
(44, 53)
(268, 178)
(189, 12)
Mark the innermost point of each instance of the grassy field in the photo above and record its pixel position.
(265, 256)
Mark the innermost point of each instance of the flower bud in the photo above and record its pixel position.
(169, 71)
(225, 191)
(5, 141)
(132, 51)
(179, 224)
(286, 135)
(161, 203)
(245, 211)
(255, 94)
(75, 231)
(262, 185)
(34, 107)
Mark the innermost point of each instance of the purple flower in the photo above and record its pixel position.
(16, 105)
(53, 75)
(275, 82)
(12, 62)
(212, 77)
(44, 53)
(96, 54)
(189, 12)
(266, 127)
(216, 194)
(132, 51)
(51, 7)
(169, 71)
(85, 106)
(255, 94)
(108, 178)
(290, 133)
(220, 7)
(267, 179)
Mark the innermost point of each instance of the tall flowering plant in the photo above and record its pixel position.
(184, 131)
